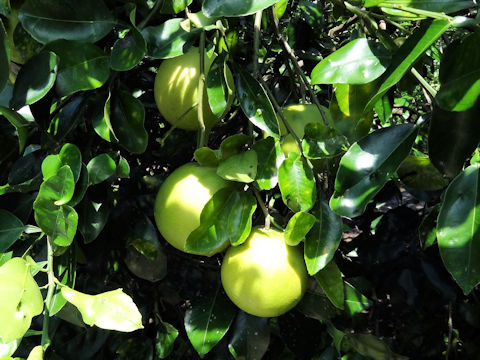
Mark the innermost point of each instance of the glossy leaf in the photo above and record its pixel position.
(25, 168)
(217, 88)
(250, 338)
(34, 80)
(208, 320)
(128, 51)
(316, 305)
(165, 339)
(227, 216)
(331, 282)
(368, 165)
(57, 220)
(458, 228)
(111, 310)
(68, 117)
(322, 142)
(82, 66)
(460, 75)
(394, 7)
(69, 155)
(49, 20)
(127, 117)
(355, 302)
(21, 299)
(206, 156)
(20, 124)
(255, 103)
(270, 156)
(346, 110)
(93, 216)
(414, 47)
(234, 144)
(297, 183)
(427, 231)
(297, 228)
(10, 229)
(452, 138)
(359, 62)
(168, 39)
(218, 8)
(174, 6)
(323, 239)
(100, 168)
(4, 57)
(240, 167)
(80, 187)
(419, 173)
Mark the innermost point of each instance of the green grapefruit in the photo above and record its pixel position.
(176, 89)
(180, 201)
(264, 276)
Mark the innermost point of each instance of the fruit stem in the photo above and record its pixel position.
(297, 67)
(45, 342)
(201, 85)
(263, 207)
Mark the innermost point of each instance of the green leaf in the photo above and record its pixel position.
(8, 349)
(206, 156)
(165, 339)
(255, 103)
(358, 62)
(419, 173)
(232, 145)
(368, 165)
(70, 114)
(452, 138)
(111, 310)
(57, 220)
(80, 187)
(127, 117)
(25, 168)
(355, 302)
(217, 88)
(65, 271)
(20, 124)
(128, 51)
(219, 8)
(323, 239)
(427, 231)
(439, 6)
(4, 57)
(169, 39)
(414, 47)
(21, 299)
(82, 66)
(320, 142)
(297, 228)
(458, 228)
(226, 217)
(34, 80)
(93, 216)
(346, 110)
(460, 75)
(208, 320)
(82, 20)
(36, 353)
(316, 305)
(174, 6)
(297, 183)
(240, 167)
(100, 168)
(250, 338)
(69, 155)
(373, 347)
(10, 229)
(270, 156)
(331, 282)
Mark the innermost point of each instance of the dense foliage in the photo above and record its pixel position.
(352, 128)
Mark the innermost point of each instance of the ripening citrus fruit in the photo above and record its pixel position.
(264, 276)
(180, 202)
(176, 89)
(298, 116)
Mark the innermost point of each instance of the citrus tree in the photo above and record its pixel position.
(242, 179)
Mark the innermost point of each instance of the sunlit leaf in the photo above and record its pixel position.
(240, 167)
(298, 227)
(220, 8)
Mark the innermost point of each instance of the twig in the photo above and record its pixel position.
(45, 342)
(340, 27)
(263, 207)
(144, 22)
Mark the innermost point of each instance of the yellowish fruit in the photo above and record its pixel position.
(264, 276)
(176, 89)
(298, 116)
(180, 202)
